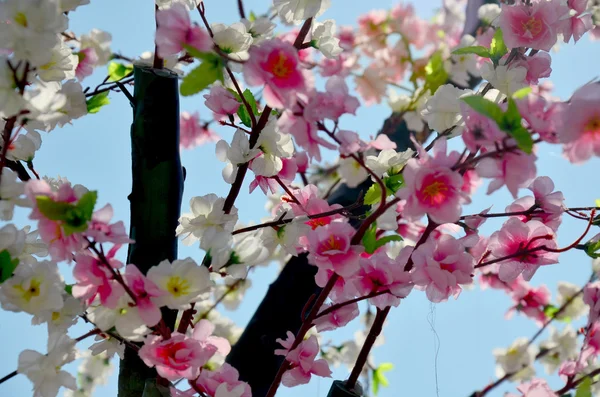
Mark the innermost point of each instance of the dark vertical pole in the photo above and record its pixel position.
(156, 192)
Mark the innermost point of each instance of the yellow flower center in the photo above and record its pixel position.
(435, 192)
(332, 244)
(55, 316)
(21, 19)
(33, 290)
(593, 125)
(280, 66)
(178, 286)
(533, 26)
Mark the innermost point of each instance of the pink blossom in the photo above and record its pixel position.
(176, 357)
(341, 66)
(591, 296)
(533, 26)
(221, 101)
(301, 161)
(552, 220)
(210, 381)
(540, 115)
(513, 169)
(471, 181)
(379, 272)
(93, 279)
(144, 290)
(545, 197)
(536, 388)
(287, 175)
(61, 245)
(577, 24)
(175, 30)
(479, 131)
(373, 24)
(382, 142)
(304, 364)
(203, 332)
(275, 64)
(538, 66)
(346, 36)
(350, 142)
(336, 319)
(441, 266)
(530, 301)
(192, 133)
(432, 187)
(101, 231)
(305, 133)
(371, 85)
(87, 60)
(331, 104)
(343, 289)
(579, 124)
(330, 248)
(286, 343)
(525, 238)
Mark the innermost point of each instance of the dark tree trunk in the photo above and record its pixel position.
(156, 192)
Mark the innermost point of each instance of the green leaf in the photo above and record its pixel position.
(53, 210)
(485, 106)
(373, 195)
(522, 93)
(370, 238)
(252, 16)
(511, 124)
(86, 204)
(7, 266)
(592, 248)
(585, 388)
(393, 183)
(550, 311)
(435, 74)
(195, 53)
(69, 289)
(477, 49)
(379, 378)
(243, 112)
(384, 240)
(117, 71)
(96, 102)
(497, 47)
(209, 71)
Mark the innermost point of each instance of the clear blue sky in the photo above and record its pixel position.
(95, 151)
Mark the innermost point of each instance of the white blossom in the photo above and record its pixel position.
(25, 146)
(260, 29)
(124, 317)
(324, 36)
(10, 99)
(297, 11)
(207, 222)
(71, 5)
(238, 153)
(577, 307)
(388, 161)
(274, 146)
(464, 66)
(61, 320)
(506, 79)
(11, 192)
(442, 110)
(108, 346)
(100, 41)
(33, 288)
(184, 282)
(232, 291)
(352, 172)
(60, 66)
(517, 359)
(489, 14)
(234, 40)
(562, 345)
(45, 371)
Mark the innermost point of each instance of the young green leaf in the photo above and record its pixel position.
(435, 74)
(477, 49)
(209, 71)
(379, 378)
(511, 124)
(522, 93)
(53, 210)
(497, 47)
(243, 112)
(95, 103)
(384, 240)
(484, 106)
(117, 71)
(373, 195)
(86, 204)
(370, 238)
(585, 388)
(7, 266)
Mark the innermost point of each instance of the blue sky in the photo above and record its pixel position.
(95, 151)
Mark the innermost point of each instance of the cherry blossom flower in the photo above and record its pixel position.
(101, 231)
(591, 296)
(578, 21)
(520, 238)
(536, 388)
(517, 359)
(45, 370)
(338, 318)
(534, 26)
(183, 282)
(442, 110)
(275, 64)
(563, 345)
(210, 381)
(441, 266)
(192, 133)
(331, 104)
(529, 300)
(514, 169)
(330, 248)
(296, 11)
(305, 133)
(432, 187)
(371, 86)
(323, 34)
(221, 101)
(545, 197)
(579, 124)
(95, 280)
(175, 31)
(304, 364)
(146, 292)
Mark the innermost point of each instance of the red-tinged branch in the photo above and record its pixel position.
(338, 306)
(572, 384)
(6, 136)
(281, 221)
(472, 161)
(303, 33)
(367, 346)
(531, 211)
